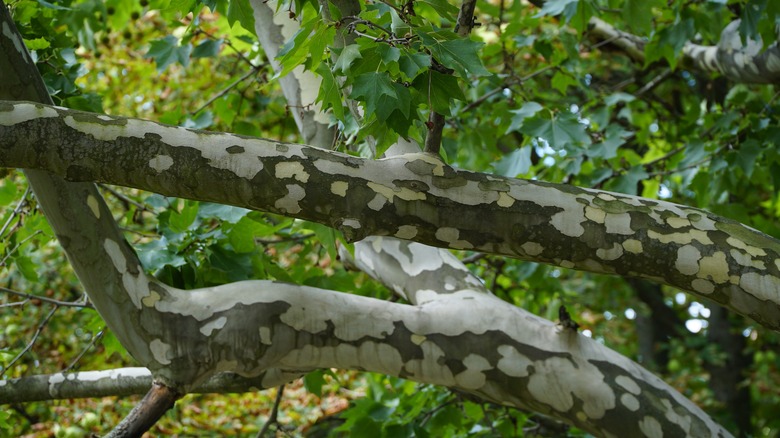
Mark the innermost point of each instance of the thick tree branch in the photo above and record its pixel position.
(733, 59)
(414, 197)
(145, 414)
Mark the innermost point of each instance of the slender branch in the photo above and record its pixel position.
(17, 210)
(79, 304)
(91, 344)
(225, 90)
(29, 345)
(272, 419)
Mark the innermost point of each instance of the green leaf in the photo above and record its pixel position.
(562, 81)
(330, 91)
(401, 101)
(313, 382)
(347, 56)
(207, 49)
(752, 14)
(412, 63)
(8, 192)
(295, 51)
(36, 43)
(181, 221)
(437, 90)
(241, 11)
(26, 267)
(527, 110)
(371, 87)
(167, 50)
(639, 16)
(444, 8)
(627, 182)
(554, 7)
(614, 137)
(749, 150)
(516, 163)
(559, 132)
(455, 52)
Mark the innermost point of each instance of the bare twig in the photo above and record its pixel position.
(29, 345)
(272, 419)
(17, 210)
(79, 304)
(91, 344)
(225, 90)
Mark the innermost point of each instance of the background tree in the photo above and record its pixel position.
(529, 92)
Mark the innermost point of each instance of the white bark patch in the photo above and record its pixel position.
(473, 377)
(505, 200)
(714, 267)
(567, 221)
(351, 223)
(23, 112)
(763, 287)
(618, 223)
(630, 402)
(628, 384)
(151, 300)
(595, 214)
(532, 248)
(428, 368)
(390, 192)
(555, 382)
(289, 203)
(208, 328)
(412, 262)
(265, 335)
(568, 224)
(378, 202)
(512, 363)
(678, 222)
(745, 259)
(93, 205)
(339, 188)
(703, 286)
(244, 165)
(681, 238)
(610, 254)
(290, 169)
(687, 262)
(633, 246)
(11, 35)
(417, 339)
(450, 236)
(684, 421)
(136, 286)
(406, 232)
(161, 351)
(161, 163)
(752, 250)
(650, 427)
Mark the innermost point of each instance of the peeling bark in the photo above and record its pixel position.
(413, 197)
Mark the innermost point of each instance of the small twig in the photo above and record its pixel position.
(79, 304)
(91, 344)
(124, 198)
(225, 90)
(29, 345)
(18, 245)
(17, 210)
(272, 419)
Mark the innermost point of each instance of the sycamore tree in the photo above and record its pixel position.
(605, 170)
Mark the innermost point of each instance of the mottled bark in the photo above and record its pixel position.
(414, 197)
(747, 63)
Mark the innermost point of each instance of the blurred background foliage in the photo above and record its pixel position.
(553, 103)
